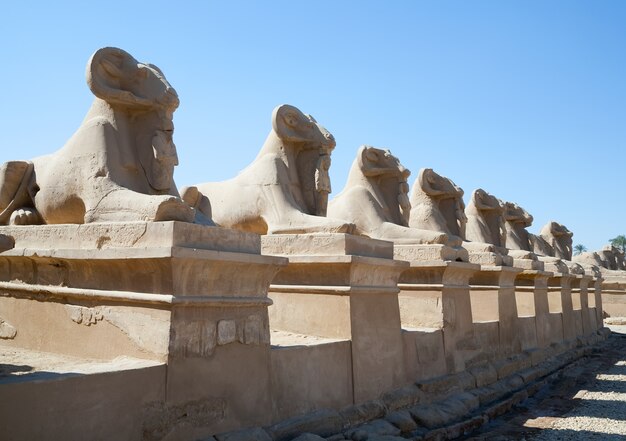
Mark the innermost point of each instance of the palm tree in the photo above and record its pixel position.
(579, 249)
(619, 242)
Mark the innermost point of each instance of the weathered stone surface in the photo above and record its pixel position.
(385, 438)
(256, 434)
(491, 393)
(447, 384)
(485, 219)
(119, 165)
(465, 427)
(403, 397)
(6, 242)
(559, 238)
(285, 189)
(402, 420)
(226, 332)
(361, 413)
(469, 400)
(373, 428)
(508, 366)
(484, 374)
(530, 375)
(309, 437)
(437, 204)
(7, 331)
(323, 422)
(377, 175)
(337, 437)
(429, 416)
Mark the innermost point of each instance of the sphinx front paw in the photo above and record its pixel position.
(172, 208)
(25, 216)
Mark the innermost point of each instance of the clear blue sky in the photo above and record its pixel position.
(526, 99)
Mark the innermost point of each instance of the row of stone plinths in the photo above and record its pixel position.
(199, 302)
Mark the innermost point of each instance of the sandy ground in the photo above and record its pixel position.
(23, 365)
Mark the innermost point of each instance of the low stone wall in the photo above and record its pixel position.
(265, 341)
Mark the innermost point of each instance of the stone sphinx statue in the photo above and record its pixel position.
(559, 238)
(589, 259)
(613, 258)
(285, 189)
(516, 221)
(485, 219)
(554, 243)
(437, 204)
(485, 231)
(119, 164)
(375, 199)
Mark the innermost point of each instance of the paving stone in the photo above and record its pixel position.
(403, 420)
(403, 398)
(377, 427)
(484, 374)
(429, 416)
(324, 422)
(256, 434)
(354, 415)
(309, 437)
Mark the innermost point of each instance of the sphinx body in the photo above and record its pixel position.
(485, 220)
(554, 245)
(119, 164)
(437, 204)
(516, 221)
(375, 199)
(285, 189)
(613, 258)
(559, 238)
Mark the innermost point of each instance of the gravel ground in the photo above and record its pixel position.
(588, 402)
(599, 414)
(600, 408)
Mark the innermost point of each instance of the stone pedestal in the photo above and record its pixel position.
(436, 295)
(531, 290)
(493, 298)
(490, 258)
(189, 296)
(597, 293)
(560, 301)
(588, 327)
(576, 282)
(343, 286)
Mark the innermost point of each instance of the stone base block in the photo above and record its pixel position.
(430, 253)
(489, 258)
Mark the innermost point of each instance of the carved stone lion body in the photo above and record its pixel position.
(277, 193)
(485, 221)
(516, 221)
(375, 200)
(118, 166)
(437, 204)
(559, 238)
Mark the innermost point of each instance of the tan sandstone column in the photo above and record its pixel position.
(343, 286)
(560, 300)
(597, 292)
(532, 298)
(493, 296)
(576, 282)
(588, 328)
(435, 294)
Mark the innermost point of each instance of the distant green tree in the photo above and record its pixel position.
(619, 242)
(579, 249)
